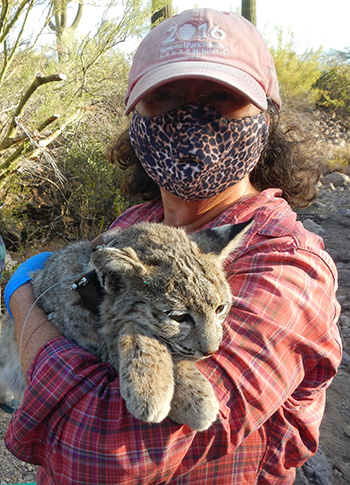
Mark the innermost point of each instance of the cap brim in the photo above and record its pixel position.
(231, 77)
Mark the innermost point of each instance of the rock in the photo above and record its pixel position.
(310, 225)
(345, 332)
(344, 321)
(337, 179)
(344, 470)
(300, 478)
(345, 362)
(10, 263)
(317, 469)
(344, 277)
(344, 212)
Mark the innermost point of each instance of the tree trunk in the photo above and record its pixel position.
(249, 10)
(164, 13)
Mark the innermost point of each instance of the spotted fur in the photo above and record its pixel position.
(165, 299)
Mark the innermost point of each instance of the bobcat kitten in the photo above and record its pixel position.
(163, 300)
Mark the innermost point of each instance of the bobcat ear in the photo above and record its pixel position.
(221, 240)
(111, 264)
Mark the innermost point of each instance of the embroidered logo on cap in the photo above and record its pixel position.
(193, 39)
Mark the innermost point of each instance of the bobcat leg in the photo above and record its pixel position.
(146, 376)
(194, 402)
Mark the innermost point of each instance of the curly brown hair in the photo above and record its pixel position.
(289, 161)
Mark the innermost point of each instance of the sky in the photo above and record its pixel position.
(314, 23)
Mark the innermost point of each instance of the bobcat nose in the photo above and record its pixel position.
(211, 352)
(209, 341)
(207, 352)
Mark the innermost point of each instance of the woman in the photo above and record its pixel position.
(202, 89)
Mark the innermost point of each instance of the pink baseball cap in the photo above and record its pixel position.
(205, 44)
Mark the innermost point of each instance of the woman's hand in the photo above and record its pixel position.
(106, 237)
(23, 274)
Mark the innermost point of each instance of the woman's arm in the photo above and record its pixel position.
(32, 329)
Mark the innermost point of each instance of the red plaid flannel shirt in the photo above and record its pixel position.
(280, 351)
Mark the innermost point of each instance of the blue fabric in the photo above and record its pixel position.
(23, 274)
(9, 407)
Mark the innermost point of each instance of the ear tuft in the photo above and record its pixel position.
(222, 240)
(113, 265)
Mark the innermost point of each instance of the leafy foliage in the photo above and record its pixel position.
(53, 137)
(94, 198)
(296, 73)
(333, 90)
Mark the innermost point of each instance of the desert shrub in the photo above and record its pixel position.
(333, 90)
(296, 72)
(73, 195)
(340, 159)
(94, 198)
(69, 188)
(81, 205)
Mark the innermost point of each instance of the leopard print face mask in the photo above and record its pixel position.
(194, 153)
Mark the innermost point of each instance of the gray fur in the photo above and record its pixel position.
(164, 305)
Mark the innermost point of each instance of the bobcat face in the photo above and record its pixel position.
(166, 284)
(187, 318)
(189, 326)
(193, 336)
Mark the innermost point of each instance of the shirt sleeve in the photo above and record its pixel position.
(74, 423)
(281, 347)
(280, 351)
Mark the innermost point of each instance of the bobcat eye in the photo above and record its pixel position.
(221, 309)
(180, 317)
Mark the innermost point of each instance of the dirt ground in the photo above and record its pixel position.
(331, 216)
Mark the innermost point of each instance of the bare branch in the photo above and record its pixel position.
(4, 13)
(14, 19)
(8, 58)
(9, 109)
(47, 122)
(31, 149)
(39, 80)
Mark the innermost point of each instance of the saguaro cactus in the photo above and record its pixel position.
(161, 14)
(59, 25)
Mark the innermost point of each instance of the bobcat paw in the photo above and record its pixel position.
(199, 415)
(146, 376)
(150, 404)
(148, 411)
(194, 402)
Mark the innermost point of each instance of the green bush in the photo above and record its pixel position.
(296, 72)
(333, 90)
(94, 199)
